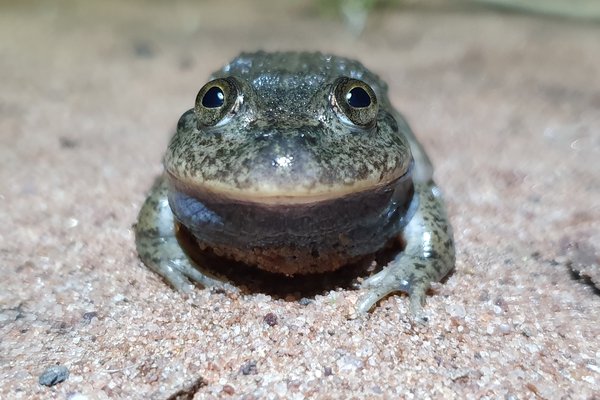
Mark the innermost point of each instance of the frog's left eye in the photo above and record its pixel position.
(354, 101)
(216, 101)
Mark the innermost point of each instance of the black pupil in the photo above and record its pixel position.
(213, 98)
(358, 97)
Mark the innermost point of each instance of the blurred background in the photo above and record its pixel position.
(142, 61)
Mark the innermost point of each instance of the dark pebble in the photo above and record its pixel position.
(270, 319)
(88, 316)
(53, 375)
(249, 368)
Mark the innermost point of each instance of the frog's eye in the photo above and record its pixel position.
(216, 101)
(354, 101)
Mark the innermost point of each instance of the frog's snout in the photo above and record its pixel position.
(289, 149)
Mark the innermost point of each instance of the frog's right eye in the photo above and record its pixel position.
(355, 102)
(217, 101)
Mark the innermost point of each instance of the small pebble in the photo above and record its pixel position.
(304, 301)
(456, 310)
(270, 319)
(504, 329)
(88, 316)
(228, 389)
(53, 375)
(249, 368)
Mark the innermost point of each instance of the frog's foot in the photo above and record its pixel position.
(159, 249)
(181, 273)
(427, 257)
(400, 276)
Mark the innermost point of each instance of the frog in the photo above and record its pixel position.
(296, 163)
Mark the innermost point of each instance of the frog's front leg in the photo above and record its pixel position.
(158, 247)
(428, 256)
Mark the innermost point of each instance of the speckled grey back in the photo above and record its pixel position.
(288, 80)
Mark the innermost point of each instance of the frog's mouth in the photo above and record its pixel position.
(299, 238)
(270, 192)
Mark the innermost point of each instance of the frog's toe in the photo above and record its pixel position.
(417, 301)
(368, 300)
(378, 286)
(176, 278)
(375, 294)
(388, 281)
(188, 274)
(372, 281)
(383, 279)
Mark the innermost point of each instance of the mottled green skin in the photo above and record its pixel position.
(286, 105)
(286, 98)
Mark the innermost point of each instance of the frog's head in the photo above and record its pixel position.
(289, 131)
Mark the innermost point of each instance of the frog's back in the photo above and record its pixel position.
(296, 76)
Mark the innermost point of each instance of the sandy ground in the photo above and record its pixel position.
(507, 105)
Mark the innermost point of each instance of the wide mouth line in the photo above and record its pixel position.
(242, 196)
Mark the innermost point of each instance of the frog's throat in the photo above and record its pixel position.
(296, 238)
